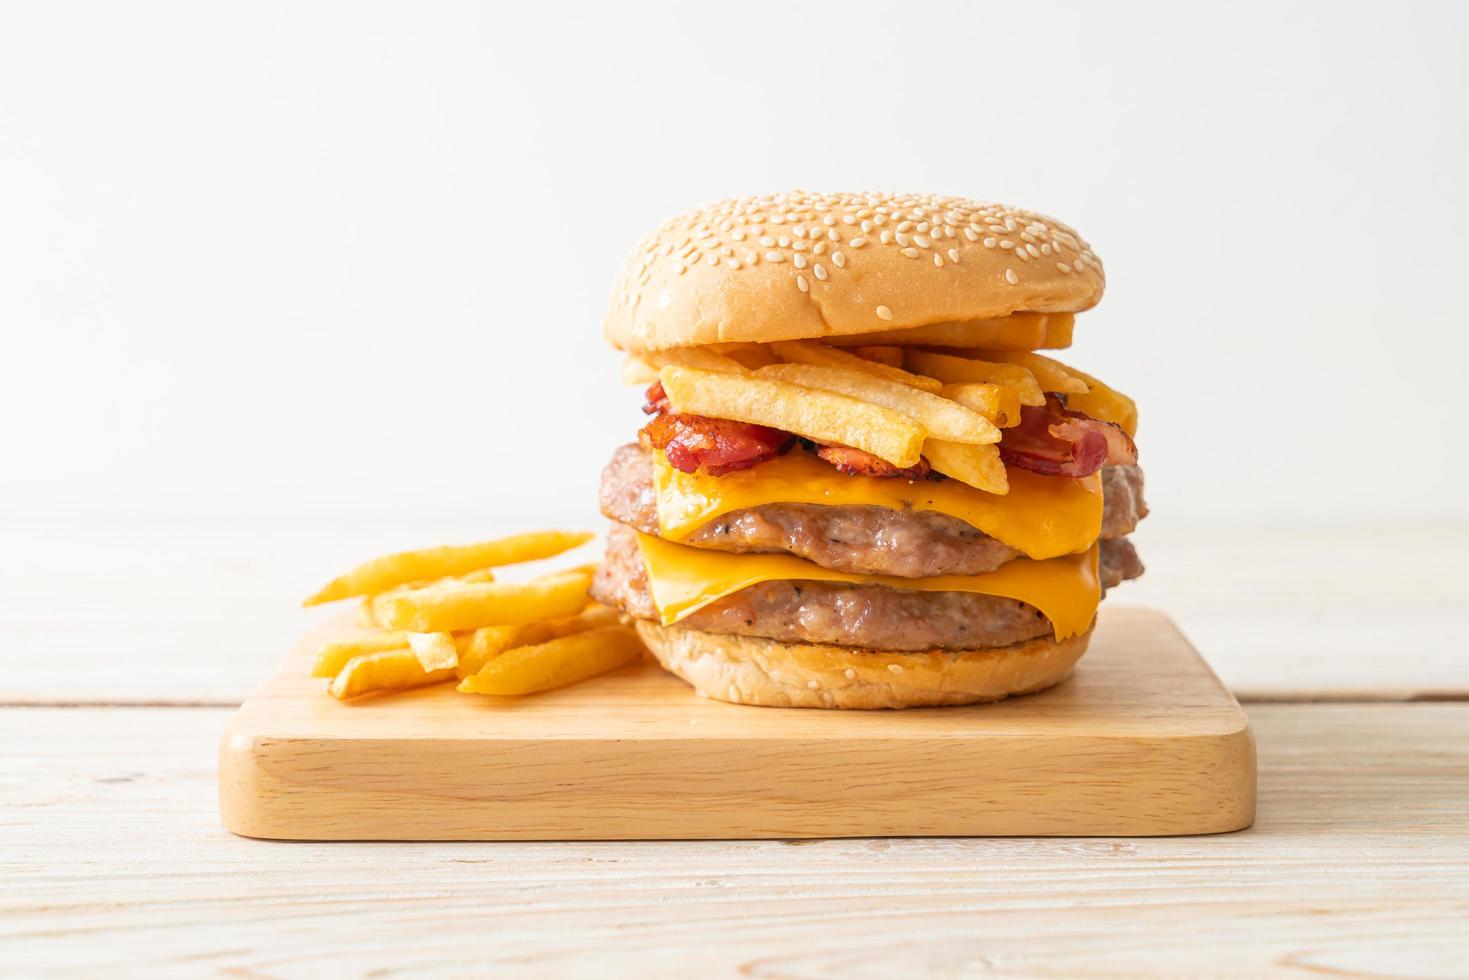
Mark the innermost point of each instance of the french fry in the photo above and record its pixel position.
(476, 576)
(435, 651)
(978, 466)
(701, 358)
(1059, 327)
(390, 571)
(636, 371)
(488, 642)
(819, 415)
(953, 370)
(1019, 331)
(890, 355)
(385, 670)
(997, 403)
(333, 655)
(752, 356)
(820, 355)
(555, 663)
(457, 606)
(1052, 375)
(1104, 402)
(941, 418)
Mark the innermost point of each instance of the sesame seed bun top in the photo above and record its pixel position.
(803, 265)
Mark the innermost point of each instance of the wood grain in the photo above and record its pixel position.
(113, 863)
(1142, 740)
(1280, 613)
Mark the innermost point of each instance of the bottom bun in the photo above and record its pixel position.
(756, 670)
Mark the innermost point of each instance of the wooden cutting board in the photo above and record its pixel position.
(1142, 740)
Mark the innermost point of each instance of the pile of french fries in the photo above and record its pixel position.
(438, 614)
(931, 396)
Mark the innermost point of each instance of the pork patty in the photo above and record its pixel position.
(871, 616)
(863, 540)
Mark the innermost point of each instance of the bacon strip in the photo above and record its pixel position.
(717, 446)
(857, 462)
(1055, 441)
(655, 400)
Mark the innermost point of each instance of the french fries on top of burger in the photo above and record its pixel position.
(439, 614)
(864, 483)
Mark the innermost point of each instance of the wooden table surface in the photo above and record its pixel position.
(123, 650)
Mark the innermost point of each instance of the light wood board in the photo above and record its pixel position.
(114, 864)
(1143, 740)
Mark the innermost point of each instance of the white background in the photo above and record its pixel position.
(347, 262)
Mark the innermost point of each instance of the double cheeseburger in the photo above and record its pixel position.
(860, 486)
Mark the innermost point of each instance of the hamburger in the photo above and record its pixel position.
(859, 483)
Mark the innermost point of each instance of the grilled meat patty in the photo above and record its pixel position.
(871, 616)
(864, 540)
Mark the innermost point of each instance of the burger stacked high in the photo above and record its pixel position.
(861, 487)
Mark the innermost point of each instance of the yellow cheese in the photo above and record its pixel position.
(683, 580)
(1041, 516)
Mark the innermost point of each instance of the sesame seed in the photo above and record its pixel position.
(1063, 266)
(1011, 277)
(767, 242)
(849, 674)
(938, 260)
(829, 220)
(912, 253)
(858, 242)
(774, 256)
(883, 313)
(1046, 249)
(866, 227)
(921, 241)
(849, 219)
(819, 271)
(711, 259)
(922, 226)
(1007, 244)
(732, 263)
(953, 255)
(784, 241)
(885, 236)
(990, 243)
(798, 260)
(903, 239)
(905, 226)
(802, 284)
(970, 234)
(833, 235)
(839, 260)
(1034, 252)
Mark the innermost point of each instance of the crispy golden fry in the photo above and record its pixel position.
(890, 355)
(385, 670)
(701, 358)
(382, 574)
(978, 466)
(332, 656)
(820, 415)
(456, 606)
(435, 651)
(752, 356)
(478, 576)
(820, 355)
(555, 663)
(1058, 331)
(997, 403)
(955, 370)
(941, 418)
(1105, 403)
(489, 642)
(1052, 375)
(636, 371)
(1019, 331)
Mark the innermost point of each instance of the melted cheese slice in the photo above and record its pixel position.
(1041, 516)
(683, 580)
